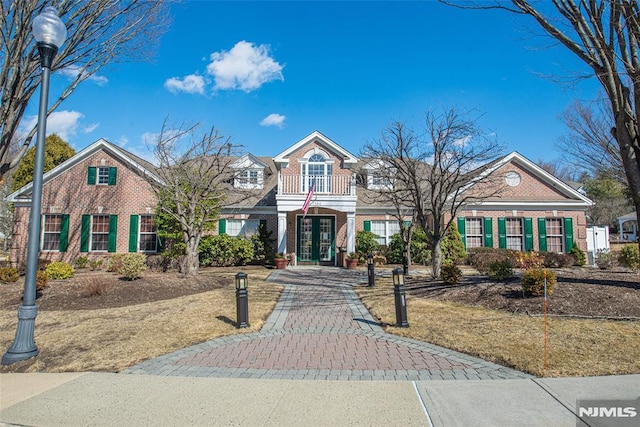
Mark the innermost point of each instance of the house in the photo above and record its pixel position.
(99, 202)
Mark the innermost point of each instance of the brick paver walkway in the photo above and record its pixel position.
(320, 330)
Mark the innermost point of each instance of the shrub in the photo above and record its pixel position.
(95, 287)
(629, 256)
(529, 260)
(81, 262)
(452, 246)
(41, 280)
(132, 265)
(114, 263)
(482, 258)
(8, 275)
(366, 243)
(533, 281)
(500, 270)
(59, 270)
(420, 248)
(95, 264)
(580, 257)
(263, 243)
(160, 262)
(604, 259)
(223, 250)
(557, 260)
(450, 274)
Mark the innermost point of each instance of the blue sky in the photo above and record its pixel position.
(269, 73)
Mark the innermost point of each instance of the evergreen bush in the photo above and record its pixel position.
(604, 259)
(629, 256)
(533, 281)
(8, 275)
(59, 270)
(581, 258)
(500, 270)
(132, 265)
(223, 250)
(450, 274)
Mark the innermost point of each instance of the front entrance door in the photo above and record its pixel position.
(316, 239)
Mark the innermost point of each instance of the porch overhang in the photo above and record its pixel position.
(294, 202)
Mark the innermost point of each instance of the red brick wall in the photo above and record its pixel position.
(69, 193)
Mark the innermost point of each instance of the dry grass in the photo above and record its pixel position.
(575, 347)
(115, 338)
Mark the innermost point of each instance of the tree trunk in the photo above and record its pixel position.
(436, 258)
(191, 260)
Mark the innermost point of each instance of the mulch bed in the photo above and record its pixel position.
(91, 290)
(581, 292)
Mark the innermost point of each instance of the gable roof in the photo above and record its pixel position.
(558, 185)
(320, 139)
(249, 161)
(142, 166)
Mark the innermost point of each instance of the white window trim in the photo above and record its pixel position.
(237, 181)
(140, 234)
(44, 223)
(98, 175)
(91, 233)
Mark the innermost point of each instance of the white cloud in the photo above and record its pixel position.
(273, 120)
(245, 67)
(150, 138)
(192, 83)
(73, 71)
(90, 128)
(63, 123)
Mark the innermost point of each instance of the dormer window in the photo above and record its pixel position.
(249, 178)
(378, 181)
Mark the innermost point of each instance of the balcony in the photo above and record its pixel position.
(334, 185)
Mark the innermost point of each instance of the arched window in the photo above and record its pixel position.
(317, 170)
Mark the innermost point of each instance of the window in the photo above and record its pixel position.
(99, 233)
(515, 237)
(555, 234)
(317, 170)
(101, 175)
(385, 230)
(474, 233)
(242, 227)
(250, 178)
(51, 232)
(148, 234)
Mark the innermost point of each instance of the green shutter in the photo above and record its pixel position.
(84, 233)
(462, 228)
(64, 233)
(502, 233)
(133, 233)
(113, 232)
(112, 175)
(222, 226)
(542, 234)
(568, 235)
(528, 234)
(91, 175)
(488, 232)
(367, 226)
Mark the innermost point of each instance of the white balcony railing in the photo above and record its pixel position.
(339, 185)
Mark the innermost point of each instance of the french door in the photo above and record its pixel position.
(316, 239)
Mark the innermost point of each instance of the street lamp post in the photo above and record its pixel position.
(371, 272)
(50, 33)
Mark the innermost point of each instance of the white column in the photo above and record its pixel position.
(351, 232)
(282, 232)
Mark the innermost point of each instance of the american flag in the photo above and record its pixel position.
(307, 201)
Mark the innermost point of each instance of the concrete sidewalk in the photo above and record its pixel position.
(105, 399)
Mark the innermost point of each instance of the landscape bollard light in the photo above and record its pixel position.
(371, 270)
(399, 294)
(242, 300)
(49, 32)
(405, 262)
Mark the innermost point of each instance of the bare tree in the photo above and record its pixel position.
(558, 169)
(100, 32)
(432, 172)
(192, 183)
(605, 35)
(589, 144)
